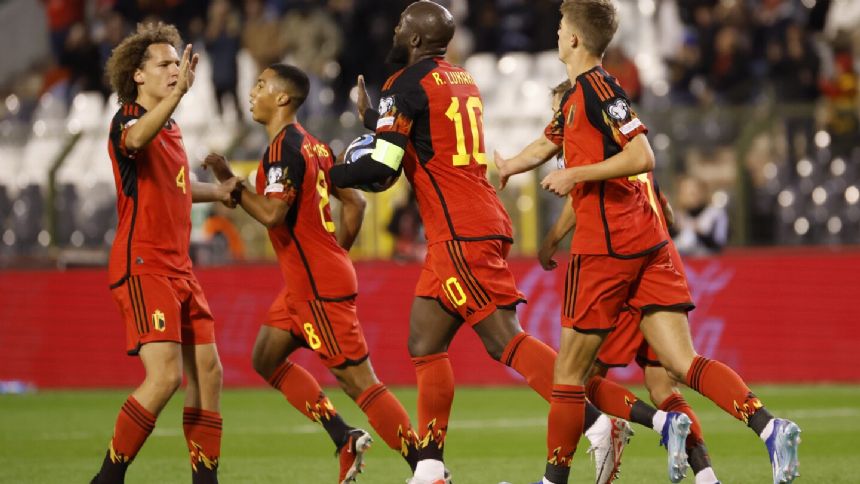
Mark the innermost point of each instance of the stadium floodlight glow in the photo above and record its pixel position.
(822, 139)
(507, 65)
(77, 238)
(810, 4)
(660, 88)
(9, 237)
(852, 194)
(834, 225)
(801, 226)
(819, 195)
(39, 128)
(785, 198)
(347, 119)
(111, 233)
(804, 168)
(326, 96)
(44, 238)
(837, 167)
(13, 104)
(647, 8)
(770, 170)
(662, 141)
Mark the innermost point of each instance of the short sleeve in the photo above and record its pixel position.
(399, 107)
(606, 99)
(284, 175)
(124, 119)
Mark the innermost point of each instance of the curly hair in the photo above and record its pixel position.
(131, 53)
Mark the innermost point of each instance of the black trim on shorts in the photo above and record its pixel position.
(442, 305)
(347, 362)
(348, 297)
(609, 249)
(483, 238)
(513, 305)
(681, 307)
(643, 362)
(610, 365)
(595, 331)
(136, 351)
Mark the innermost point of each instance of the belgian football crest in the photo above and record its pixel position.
(158, 321)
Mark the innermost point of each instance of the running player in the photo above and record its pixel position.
(317, 308)
(167, 318)
(620, 254)
(429, 121)
(626, 342)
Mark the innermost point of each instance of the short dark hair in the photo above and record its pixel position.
(595, 20)
(131, 53)
(299, 83)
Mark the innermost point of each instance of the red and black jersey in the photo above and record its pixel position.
(433, 111)
(153, 201)
(295, 168)
(616, 217)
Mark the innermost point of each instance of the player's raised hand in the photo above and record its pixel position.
(187, 66)
(219, 166)
(502, 165)
(363, 99)
(560, 182)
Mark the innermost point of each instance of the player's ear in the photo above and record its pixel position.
(414, 40)
(283, 99)
(138, 76)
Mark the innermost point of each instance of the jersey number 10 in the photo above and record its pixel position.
(474, 108)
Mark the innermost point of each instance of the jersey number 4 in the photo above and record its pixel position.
(474, 109)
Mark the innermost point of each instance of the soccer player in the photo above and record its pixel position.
(317, 309)
(429, 121)
(167, 318)
(620, 253)
(626, 342)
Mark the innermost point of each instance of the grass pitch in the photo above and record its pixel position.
(496, 434)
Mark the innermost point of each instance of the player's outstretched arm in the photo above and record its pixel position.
(531, 157)
(636, 157)
(144, 130)
(202, 192)
(351, 215)
(268, 211)
(563, 226)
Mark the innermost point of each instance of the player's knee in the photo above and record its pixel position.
(422, 347)
(263, 363)
(166, 383)
(212, 373)
(495, 350)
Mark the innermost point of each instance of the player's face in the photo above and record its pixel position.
(157, 77)
(565, 34)
(264, 96)
(399, 53)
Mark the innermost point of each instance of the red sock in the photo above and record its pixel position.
(302, 390)
(133, 426)
(676, 403)
(203, 435)
(532, 359)
(388, 417)
(564, 426)
(723, 386)
(435, 396)
(610, 397)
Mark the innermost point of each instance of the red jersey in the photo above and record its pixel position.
(433, 110)
(153, 200)
(618, 217)
(295, 168)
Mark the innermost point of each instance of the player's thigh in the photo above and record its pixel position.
(275, 339)
(576, 355)
(162, 362)
(668, 333)
(431, 327)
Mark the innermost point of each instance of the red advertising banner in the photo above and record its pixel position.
(775, 316)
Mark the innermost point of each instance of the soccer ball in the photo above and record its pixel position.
(364, 145)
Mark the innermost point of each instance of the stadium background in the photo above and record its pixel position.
(754, 100)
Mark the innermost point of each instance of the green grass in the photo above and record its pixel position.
(496, 434)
